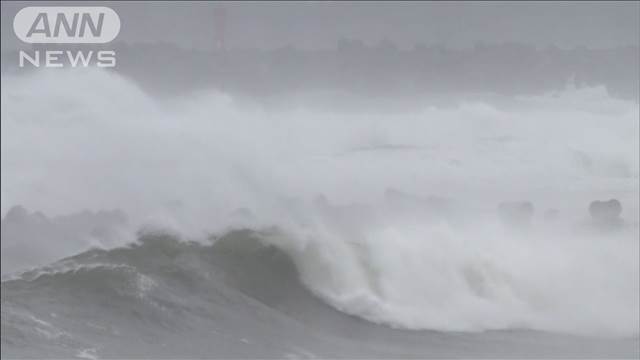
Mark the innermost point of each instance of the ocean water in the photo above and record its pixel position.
(301, 230)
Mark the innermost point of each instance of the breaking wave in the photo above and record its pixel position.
(411, 276)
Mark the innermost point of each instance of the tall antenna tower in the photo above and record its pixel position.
(219, 25)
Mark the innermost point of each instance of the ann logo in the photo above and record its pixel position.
(41, 25)
(75, 25)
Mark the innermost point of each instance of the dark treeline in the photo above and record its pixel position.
(380, 70)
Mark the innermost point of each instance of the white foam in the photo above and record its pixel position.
(91, 139)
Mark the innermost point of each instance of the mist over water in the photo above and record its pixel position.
(100, 142)
(91, 139)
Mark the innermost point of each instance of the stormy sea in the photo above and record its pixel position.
(208, 225)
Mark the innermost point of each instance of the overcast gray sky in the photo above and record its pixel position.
(321, 24)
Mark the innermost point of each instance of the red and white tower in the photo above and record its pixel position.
(219, 24)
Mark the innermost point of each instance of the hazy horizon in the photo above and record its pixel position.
(317, 25)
